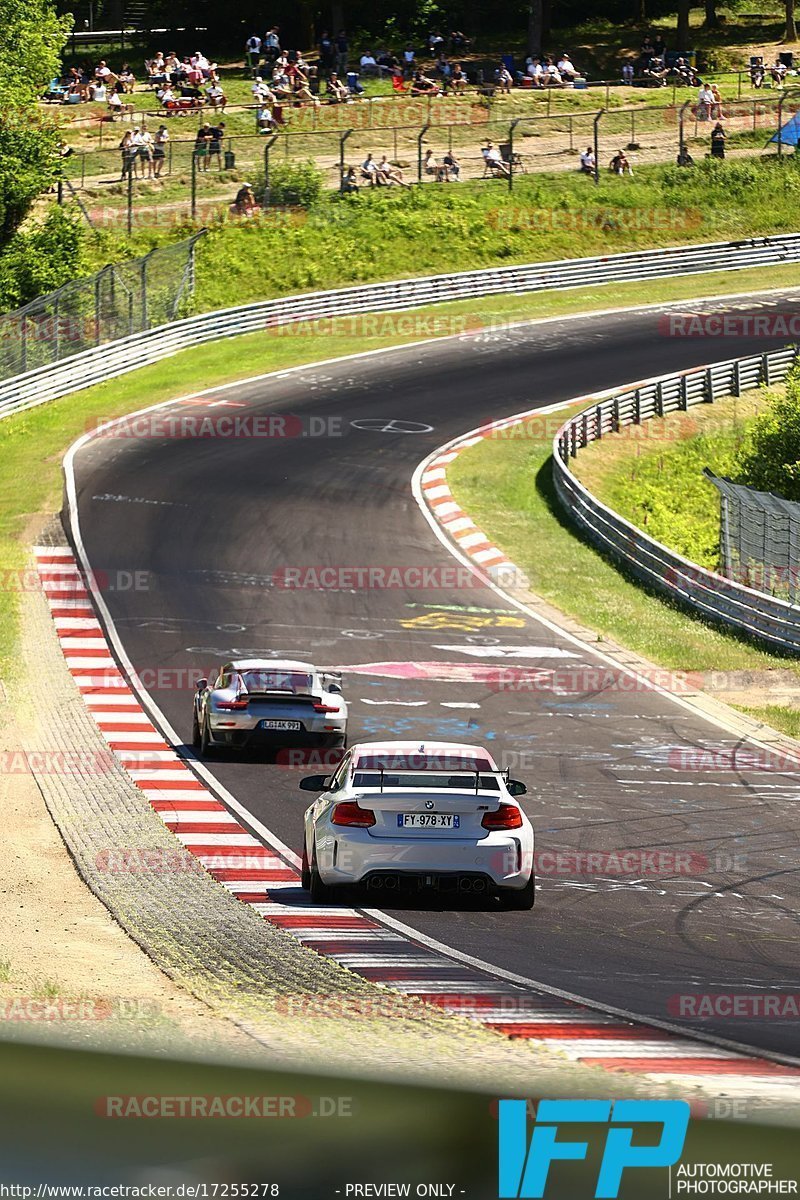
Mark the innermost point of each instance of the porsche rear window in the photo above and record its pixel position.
(296, 682)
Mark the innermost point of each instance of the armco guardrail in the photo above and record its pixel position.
(755, 613)
(126, 354)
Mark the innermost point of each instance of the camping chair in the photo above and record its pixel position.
(398, 84)
(56, 91)
(491, 167)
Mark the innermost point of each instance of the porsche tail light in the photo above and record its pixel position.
(233, 705)
(325, 708)
(348, 812)
(507, 816)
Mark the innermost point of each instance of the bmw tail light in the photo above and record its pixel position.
(507, 816)
(351, 813)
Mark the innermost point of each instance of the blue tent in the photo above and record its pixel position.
(789, 134)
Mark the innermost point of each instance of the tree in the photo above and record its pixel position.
(712, 20)
(31, 39)
(535, 28)
(683, 25)
(790, 33)
(770, 457)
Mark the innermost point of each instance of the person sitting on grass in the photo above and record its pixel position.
(349, 180)
(504, 79)
(551, 75)
(368, 64)
(588, 161)
(458, 79)
(369, 171)
(494, 159)
(336, 91)
(619, 164)
(216, 98)
(565, 68)
(421, 85)
(126, 81)
(391, 174)
(245, 203)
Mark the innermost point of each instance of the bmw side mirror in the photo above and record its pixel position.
(516, 787)
(314, 783)
(201, 685)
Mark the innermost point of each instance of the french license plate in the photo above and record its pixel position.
(281, 726)
(430, 820)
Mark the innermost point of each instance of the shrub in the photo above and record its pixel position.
(770, 457)
(295, 184)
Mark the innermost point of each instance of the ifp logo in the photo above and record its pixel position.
(524, 1168)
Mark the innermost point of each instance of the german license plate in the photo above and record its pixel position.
(281, 726)
(429, 820)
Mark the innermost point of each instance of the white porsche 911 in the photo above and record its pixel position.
(403, 816)
(269, 702)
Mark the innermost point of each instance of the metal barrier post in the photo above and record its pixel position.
(511, 129)
(596, 140)
(342, 140)
(130, 199)
(420, 136)
(194, 185)
(681, 134)
(267, 147)
(780, 123)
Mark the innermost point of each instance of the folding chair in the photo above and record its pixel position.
(398, 84)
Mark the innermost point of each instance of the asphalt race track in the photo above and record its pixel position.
(216, 523)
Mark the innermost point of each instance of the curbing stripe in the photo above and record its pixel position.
(198, 820)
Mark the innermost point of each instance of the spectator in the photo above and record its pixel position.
(137, 147)
(217, 133)
(494, 159)
(647, 49)
(388, 64)
(349, 181)
(369, 171)
(126, 81)
(409, 55)
(458, 80)
(620, 165)
(272, 44)
(252, 49)
(259, 89)
(159, 150)
(354, 86)
(327, 51)
(98, 92)
(452, 166)
(627, 73)
(201, 145)
(155, 69)
(128, 153)
(443, 68)
(718, 141)
(336, 91)
(551, 75)
(201, 64)
(458, 41)
(421, 85)
(657, 70)
(342, 47)
(778, 73)
(716, 108)
(565, 68)
(435, 43)
(391, 174)
(588, 161)
(266, 118)
(245, 203)
(216, 98)
(535, 72)
(757, 73)
(103, 72)
(78, 84)
(659, 46)
(146, 148)
(368, 64)
(705, 102)
(504, 79)
(432, 167)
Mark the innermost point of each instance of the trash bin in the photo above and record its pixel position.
(230, 160)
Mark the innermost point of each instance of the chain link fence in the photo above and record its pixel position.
(759, 539)
(120, 300)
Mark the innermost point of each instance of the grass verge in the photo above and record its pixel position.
(32, 444)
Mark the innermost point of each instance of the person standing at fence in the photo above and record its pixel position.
(146, 149)
(342, 49)
(202, 143)
(159, 150)
(128, 152)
